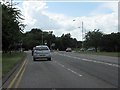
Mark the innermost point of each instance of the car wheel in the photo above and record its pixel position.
(33, 59)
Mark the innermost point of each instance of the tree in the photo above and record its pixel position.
(32, 38)
(36, 36)
(93, 39)
(66, 41)
(59, 44)
(110, 42)
(11, 27)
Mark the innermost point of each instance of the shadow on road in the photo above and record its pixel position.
(41, 61)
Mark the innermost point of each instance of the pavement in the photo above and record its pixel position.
(67, 70)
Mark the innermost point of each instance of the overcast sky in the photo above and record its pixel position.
(58, 16)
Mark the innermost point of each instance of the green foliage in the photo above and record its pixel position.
(105, 42)
(111, 42)
(11, 27)
(28, 40)
(10, 60)
(34, 37)
(93, 39)
(65, 41)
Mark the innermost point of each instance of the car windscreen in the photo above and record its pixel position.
(41, 48)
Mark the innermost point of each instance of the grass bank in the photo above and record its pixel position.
(10, 60)
(113, 54)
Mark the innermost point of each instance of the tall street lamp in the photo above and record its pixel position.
(11, 3)
(82, 32)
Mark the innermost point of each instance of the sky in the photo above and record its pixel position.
(65, 17)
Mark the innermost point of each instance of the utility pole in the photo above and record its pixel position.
(82, 32)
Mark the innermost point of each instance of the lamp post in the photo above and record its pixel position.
(11, 3)
(82, 32)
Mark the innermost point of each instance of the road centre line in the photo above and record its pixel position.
(68, 69)
(75, 72)
(83, 59)
(13, 81)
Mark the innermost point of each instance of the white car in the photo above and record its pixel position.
(91, 49)
(42, 52)
(68, 50)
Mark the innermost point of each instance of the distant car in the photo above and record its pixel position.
(41, 52)
(68, 50)
(91, 49)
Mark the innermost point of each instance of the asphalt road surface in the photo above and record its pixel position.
(69, 70)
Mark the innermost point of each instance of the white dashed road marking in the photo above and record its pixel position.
(68, 69)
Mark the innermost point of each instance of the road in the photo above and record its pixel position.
(69, 70)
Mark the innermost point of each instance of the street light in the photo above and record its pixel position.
(11, 3)
(82, 32)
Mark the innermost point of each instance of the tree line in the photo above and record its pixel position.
(38, 37)
(96, 39)
(13, 37)
(102, 42)
(12, 27)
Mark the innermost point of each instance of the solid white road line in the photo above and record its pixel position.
(88, 60)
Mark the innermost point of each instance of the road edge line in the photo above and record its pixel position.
(20, 77)
(13, 81)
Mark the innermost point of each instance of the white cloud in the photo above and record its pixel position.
(36, 15)
(107, 22)
(109, 6)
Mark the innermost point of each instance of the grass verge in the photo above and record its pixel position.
(10, 60)
(113, 54)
